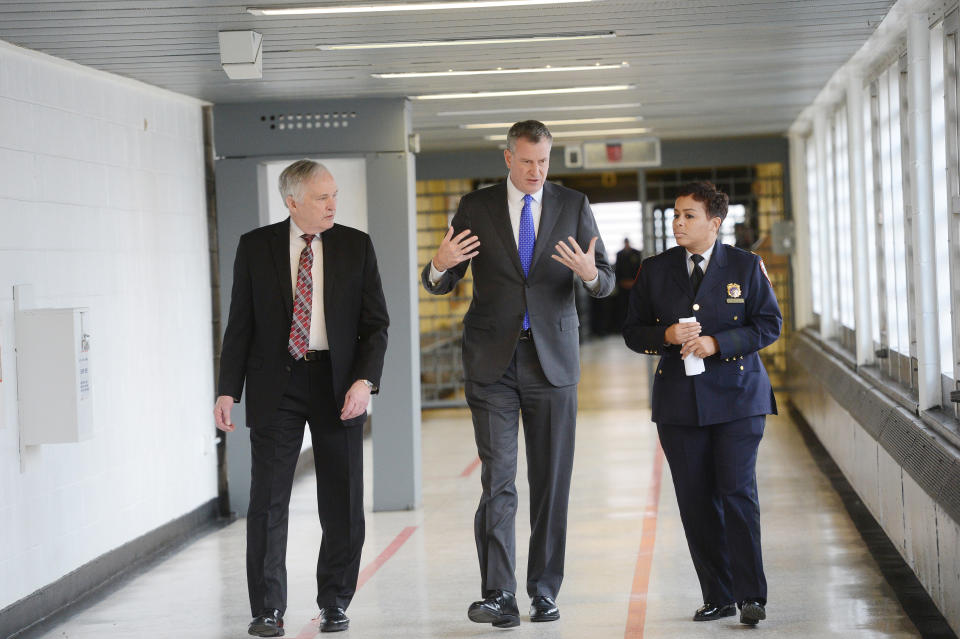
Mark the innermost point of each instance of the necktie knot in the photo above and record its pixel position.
(527, 199)
(696, 259)
(307, 237)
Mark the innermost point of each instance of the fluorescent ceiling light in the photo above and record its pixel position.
(499, 71)
(578, 134)
(407, 6)
(460, 42)
(505, 94)
(539, 109)
(507, 125)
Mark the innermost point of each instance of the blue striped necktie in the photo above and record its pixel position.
(525, 244)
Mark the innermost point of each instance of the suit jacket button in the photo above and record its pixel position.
(287, 368)
(660, 372)
(734, 318)
(741, 368)
(696, 307)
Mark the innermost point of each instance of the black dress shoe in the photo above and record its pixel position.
(543, 608)
(499, 608)
(752, 612)
(709, 612)
(268, 624)
(333, 619)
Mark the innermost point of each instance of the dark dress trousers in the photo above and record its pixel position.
(506, 377)
(282, 394)
(710, 424)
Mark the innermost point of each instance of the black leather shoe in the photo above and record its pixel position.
(752, 612)
(268, 624)
(543, 608)
(498, 608)
(333, 619)
(709, 612)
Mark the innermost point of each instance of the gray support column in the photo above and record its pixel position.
(924, 243)
(237, 202)
(861, 227)
(391, 198)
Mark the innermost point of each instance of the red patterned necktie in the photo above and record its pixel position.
(302, 302)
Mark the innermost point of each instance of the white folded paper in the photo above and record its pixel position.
(692, 364)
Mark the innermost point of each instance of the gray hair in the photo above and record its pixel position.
(293, 177)
(531, 130)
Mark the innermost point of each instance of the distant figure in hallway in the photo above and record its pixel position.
(710, 423)
(521, 356)
(307, 332)
(627, 266)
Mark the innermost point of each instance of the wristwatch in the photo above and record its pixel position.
(368, 383)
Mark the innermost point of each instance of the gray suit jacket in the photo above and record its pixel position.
(491, 326)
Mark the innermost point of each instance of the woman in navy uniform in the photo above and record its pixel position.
(710, 424)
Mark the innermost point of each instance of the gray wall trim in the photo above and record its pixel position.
(81, 585)
(675, 154)
(929, 459)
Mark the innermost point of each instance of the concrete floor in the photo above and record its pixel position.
(628, 571)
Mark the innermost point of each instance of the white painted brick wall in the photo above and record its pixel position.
(928, 539)
(102, 205)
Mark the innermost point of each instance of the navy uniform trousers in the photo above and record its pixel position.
(710, 425)
(713, 470)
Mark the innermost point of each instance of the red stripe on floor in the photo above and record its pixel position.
(472, 467)
(312, 628)
(637, 614)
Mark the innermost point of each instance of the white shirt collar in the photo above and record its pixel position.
(296, 232)
(516, 195)
(706, 254)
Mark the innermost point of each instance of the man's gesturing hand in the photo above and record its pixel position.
(221, 413)
(455, 249)
(356, 401)
(583, 264)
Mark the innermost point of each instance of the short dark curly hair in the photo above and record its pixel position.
(716, 202)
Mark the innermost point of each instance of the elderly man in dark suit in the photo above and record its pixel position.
(710, 424)
(521, 355)
(307, 332)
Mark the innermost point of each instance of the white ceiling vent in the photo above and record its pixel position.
(241, 54)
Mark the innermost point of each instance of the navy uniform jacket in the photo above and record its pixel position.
(737, 306)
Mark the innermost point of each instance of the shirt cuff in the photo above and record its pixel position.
(435, 274)
(592, 285)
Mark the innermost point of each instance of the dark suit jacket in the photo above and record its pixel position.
(735, 383)
(491, 326)
(261, 308)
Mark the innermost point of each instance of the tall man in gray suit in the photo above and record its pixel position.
(521, 356)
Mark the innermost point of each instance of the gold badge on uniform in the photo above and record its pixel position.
(733, 294)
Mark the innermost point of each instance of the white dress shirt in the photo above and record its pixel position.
(703, 265)
(318, 324)
(515, 207)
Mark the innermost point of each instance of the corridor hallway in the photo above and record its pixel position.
(628, 573)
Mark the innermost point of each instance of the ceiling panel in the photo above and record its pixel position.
(700, 68)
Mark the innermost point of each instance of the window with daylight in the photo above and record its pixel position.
(842, 231)
(813, 222)
(941, 214)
